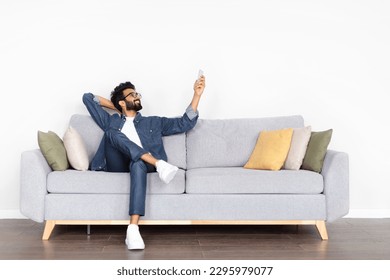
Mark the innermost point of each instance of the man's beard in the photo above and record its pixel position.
(133, 105)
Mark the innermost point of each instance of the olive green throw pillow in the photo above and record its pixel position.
(316, 150)
(53, 150)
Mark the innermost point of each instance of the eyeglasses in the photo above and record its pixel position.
(134, 95)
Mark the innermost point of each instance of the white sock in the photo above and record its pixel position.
(132, 226)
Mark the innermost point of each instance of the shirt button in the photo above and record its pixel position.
(151, 130)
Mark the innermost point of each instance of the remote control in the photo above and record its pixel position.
(200, 73)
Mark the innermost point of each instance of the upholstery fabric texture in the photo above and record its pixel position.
(230, 142)
(234, 180)
(188, 207)
(72, 181)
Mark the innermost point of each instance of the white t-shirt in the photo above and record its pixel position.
(128, 129)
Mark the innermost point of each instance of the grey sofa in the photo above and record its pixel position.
(211, 186)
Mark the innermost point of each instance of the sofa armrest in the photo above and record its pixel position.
(336, 184)
(33, 173)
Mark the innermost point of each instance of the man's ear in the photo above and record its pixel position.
(122, 104)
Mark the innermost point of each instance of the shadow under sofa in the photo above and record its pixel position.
(211, 186)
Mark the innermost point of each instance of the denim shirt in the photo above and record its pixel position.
(150, 129)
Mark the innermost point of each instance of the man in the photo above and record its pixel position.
(133, 143)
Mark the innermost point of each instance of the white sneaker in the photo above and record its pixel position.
(134, 240)
(166, 171)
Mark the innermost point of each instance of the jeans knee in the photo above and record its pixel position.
(139, 165)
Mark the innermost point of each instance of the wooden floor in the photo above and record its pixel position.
(351, 239)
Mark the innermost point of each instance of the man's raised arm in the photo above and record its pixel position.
(199, 86)
(106, 103)
(94, 105)
(188, 120)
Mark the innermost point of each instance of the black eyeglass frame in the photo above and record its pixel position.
(134, 95)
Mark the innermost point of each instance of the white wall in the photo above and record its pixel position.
(326, 60)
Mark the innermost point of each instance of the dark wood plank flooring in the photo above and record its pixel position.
(351, 239)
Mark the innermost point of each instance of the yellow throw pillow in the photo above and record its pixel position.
(271, 150)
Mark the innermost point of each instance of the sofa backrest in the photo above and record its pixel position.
(230, 142)
(89, 131)
(211, 143)
(92, 135)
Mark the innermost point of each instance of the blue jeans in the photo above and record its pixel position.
(119, 152)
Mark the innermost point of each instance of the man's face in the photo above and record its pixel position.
(132, 100)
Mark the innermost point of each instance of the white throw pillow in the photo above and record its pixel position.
(76, 150)
(299, 142)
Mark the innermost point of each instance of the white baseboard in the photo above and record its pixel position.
(11, 214)
(353, 213)
(368, 213)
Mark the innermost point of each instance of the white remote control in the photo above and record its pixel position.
(200, 73)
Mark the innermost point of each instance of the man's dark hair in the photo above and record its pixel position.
(117, 94)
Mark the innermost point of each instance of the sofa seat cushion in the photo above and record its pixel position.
(98, 182)
(247, 181)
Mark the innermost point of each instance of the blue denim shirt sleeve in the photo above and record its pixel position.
(172, 126)
(98, 114)
(191, 113)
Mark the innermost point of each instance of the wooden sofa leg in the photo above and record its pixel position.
(321, 227)
(49, 226)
